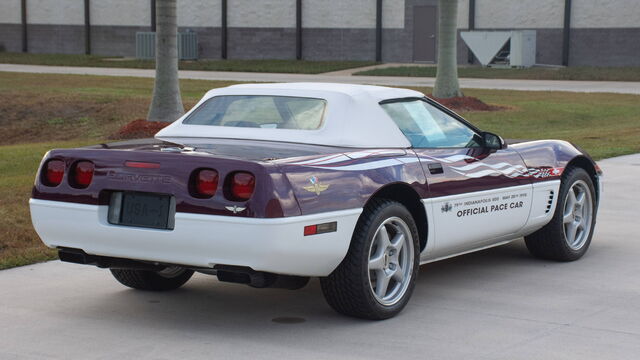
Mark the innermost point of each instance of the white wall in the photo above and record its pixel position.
(121, 12)
(518, 14)
(10, 12)
(68, 12)
(200, 13)
(463, 14)
(351, 14)
(605, 14)
(262, 13)
(393, 14)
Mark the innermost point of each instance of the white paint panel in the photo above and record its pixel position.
(339, 14)
(605, 14)
(121, 12)
(541, 210)
(10, 12)
(467, 221)
(518, 14)
(275, 245)
(67, 12)
(200, 13)
(262, 14)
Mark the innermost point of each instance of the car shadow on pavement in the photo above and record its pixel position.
(208, 305)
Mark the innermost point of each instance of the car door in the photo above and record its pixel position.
(478, 194)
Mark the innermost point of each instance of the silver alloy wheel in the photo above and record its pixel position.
(577, 215)
(171, 272)
(391, 259)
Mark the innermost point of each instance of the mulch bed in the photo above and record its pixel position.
(466, 103)
(139, 128)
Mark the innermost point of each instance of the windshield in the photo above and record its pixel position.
(427, 127)
(260, 111)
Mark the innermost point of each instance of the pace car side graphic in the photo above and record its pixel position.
(508, 170)
(475, 169)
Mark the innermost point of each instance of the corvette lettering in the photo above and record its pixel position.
(139, 178)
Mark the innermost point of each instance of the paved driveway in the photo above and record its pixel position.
(621, 87)
(496, 304)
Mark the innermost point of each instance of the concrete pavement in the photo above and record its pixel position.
(498, 84)
(495, 304)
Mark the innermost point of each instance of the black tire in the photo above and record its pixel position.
(152, 280)
(550, 242)
(348, 288)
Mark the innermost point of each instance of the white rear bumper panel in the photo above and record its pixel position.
(272, 245)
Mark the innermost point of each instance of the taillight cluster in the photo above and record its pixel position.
(238, 186)
(206, 182)
(80, 175)
(53, 172)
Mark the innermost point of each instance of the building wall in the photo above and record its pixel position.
(519, 14)
(604, 32)
(119, 12)
(597, 14)
(58, 12)
(10, 12)
(199, 14)
(10, 28)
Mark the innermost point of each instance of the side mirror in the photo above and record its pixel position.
(493, 141)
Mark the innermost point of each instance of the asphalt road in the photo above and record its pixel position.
(495, 304)
(621, 87)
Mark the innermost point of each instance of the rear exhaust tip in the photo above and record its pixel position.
(259, 279)
(75, 256)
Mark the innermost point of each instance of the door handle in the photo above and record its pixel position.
(435, 168)
(432, 36)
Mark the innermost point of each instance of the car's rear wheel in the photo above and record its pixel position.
(568, 235)
(376, 278)
(169, 278)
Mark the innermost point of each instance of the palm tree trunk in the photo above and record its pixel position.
(447, 73)
(167, 103)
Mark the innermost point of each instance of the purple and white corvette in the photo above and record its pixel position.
(271, 184)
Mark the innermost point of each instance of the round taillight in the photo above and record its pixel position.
(54, 172)
(242, 185)
(83, 173)
(206, 182)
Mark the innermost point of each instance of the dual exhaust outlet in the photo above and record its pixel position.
(225, 273)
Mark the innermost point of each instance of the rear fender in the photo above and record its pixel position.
(348, 182)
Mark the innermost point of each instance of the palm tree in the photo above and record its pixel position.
(447, 72)
(167, 103)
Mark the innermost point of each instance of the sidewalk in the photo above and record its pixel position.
(498, 84)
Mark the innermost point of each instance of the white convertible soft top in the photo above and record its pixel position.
(353, 117)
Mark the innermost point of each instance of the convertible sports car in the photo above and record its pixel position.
(271, 184)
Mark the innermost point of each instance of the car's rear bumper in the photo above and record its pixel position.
(272, 245)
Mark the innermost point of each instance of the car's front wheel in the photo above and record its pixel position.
(568, 235)
(376, 278)
(170, 278)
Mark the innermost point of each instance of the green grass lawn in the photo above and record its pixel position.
(268, 66)
(19, 244)
(535, 73)
(41, 112)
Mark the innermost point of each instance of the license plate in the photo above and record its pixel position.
(142, 209)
